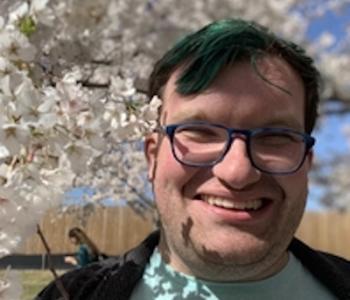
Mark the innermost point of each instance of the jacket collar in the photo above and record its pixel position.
(332, 271)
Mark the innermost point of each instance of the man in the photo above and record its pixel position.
(229, 165)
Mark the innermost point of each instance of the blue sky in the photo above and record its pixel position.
(330, 137)
(330, 142)
(334, 23)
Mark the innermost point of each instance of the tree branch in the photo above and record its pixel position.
(58, 281)
(145, 200)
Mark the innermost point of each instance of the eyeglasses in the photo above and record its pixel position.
(270, 150)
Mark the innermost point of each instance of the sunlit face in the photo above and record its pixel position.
(73, 240)
(209, 240)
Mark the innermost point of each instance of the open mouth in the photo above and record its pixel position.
(246, 205)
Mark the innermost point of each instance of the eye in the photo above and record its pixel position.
(276, 138)
(201, 133)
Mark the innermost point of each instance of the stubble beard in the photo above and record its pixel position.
(186, 255)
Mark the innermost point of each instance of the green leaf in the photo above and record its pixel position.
(27, 25)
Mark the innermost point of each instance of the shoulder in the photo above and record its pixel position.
(337, 262)
(83, 247)
(83, 280)
(318, 258)
(331, 270)
(99, 280)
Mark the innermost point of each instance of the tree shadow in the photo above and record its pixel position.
(162, 282)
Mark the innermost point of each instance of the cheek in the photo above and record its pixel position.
(290, 210)
(169, 169)
(171, 177)
(295, 188)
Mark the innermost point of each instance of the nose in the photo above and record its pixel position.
(236, 170)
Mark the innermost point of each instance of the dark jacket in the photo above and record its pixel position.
(115, 278)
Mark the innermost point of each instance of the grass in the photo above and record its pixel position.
(33, 281)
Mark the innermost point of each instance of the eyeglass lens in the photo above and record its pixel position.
(204, 144)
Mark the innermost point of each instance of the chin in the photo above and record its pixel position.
(236, 256)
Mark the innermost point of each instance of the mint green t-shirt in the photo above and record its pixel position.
(162, 282)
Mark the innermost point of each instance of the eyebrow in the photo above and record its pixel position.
(185, 116)
(285, 123)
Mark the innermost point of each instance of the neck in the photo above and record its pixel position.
(199, 266)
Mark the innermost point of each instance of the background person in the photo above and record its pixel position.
(229, 167)
(87, 251)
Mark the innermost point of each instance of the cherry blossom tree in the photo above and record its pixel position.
(331, 175)
(73, 82)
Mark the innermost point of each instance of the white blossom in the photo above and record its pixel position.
(73, 104)
(14, 137)
(16, 46)
(10, 285)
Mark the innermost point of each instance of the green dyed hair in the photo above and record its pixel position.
(222, 43)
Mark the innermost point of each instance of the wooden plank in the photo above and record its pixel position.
(118, 229)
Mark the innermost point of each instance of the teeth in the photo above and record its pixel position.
(242, 205)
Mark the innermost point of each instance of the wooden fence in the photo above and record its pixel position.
(112, 229)
(117, 229)
(327, 231)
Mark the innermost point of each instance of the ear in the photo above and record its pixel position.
(151, 151)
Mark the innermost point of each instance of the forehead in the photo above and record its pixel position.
(240, 90)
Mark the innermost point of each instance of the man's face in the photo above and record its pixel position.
(211, 241)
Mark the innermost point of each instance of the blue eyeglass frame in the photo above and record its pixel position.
(308, 140)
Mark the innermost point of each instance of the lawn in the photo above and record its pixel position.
(33, 281)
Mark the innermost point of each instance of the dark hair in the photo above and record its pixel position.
(82, 238)
(222, 43)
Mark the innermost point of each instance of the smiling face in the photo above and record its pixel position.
(230, 222)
